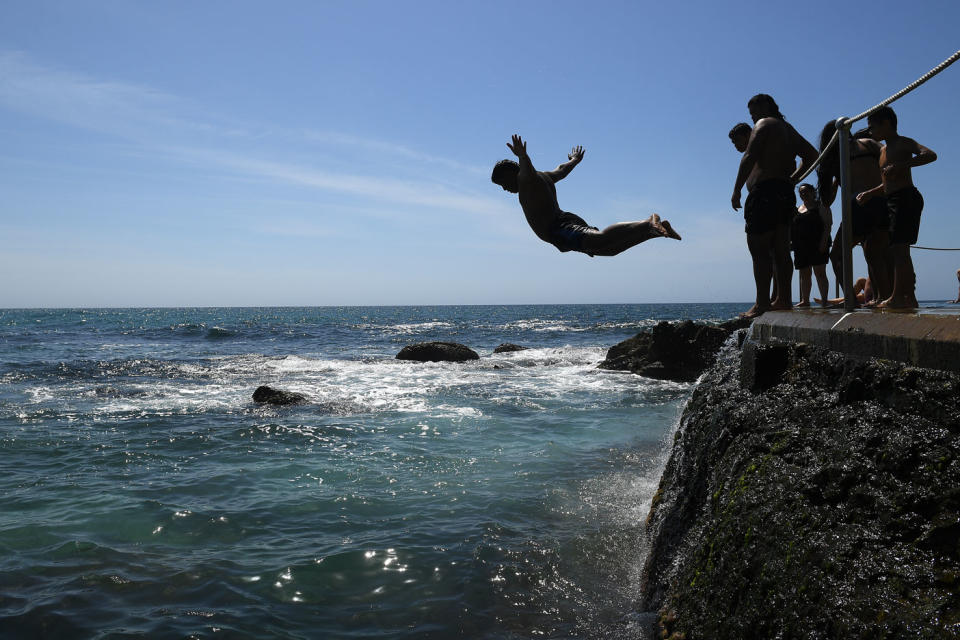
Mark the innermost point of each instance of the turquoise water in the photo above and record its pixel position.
(144, 494)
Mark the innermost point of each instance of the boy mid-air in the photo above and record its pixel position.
(904, 202)
(564, 230)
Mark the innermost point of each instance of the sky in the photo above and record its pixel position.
(239, 153)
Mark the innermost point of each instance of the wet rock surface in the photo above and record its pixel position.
(678, 351)
(270, 395)
(508, 347)
(810, 496)
(438, 352)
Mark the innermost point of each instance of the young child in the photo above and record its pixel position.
(904, 202)
(810, 236)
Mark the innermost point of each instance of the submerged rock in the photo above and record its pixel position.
(269, 395)
(810, 495)
(437, 352)
(508, 347)
(678, 351)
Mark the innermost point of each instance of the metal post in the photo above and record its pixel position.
(849, 300)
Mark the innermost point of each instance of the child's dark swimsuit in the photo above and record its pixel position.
(806, 231)
(568, 231)
(770, 203)
(905, 207)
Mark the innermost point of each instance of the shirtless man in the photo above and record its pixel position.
(904, 202)
(957, 301)
(740, 137)
(564, 230)
(769, 170)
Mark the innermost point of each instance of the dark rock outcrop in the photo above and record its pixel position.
(678, 351)
(507, 347)
(437, 352)
(809, 495)
(269, 395)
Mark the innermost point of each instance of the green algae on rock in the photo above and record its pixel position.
(810, 496)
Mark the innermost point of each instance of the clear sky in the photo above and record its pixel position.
(336, 153)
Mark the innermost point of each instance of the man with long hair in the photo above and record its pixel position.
(768, 168)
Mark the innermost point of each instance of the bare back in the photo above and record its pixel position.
(538, 198)
(775, 145)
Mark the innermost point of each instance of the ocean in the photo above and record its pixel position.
(144, 494)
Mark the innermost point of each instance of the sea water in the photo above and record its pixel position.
(144, 494)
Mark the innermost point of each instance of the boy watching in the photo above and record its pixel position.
(904, 202)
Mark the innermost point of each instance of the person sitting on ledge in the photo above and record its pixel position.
(564, 230)
(862, 290)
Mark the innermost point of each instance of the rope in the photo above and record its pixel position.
(933, 248)
(823, 154)
(907, 89)
(849, 121)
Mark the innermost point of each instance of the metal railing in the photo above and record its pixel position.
(843, 136)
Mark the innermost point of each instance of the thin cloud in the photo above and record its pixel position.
(157, 120)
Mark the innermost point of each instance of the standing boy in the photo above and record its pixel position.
(904, 202)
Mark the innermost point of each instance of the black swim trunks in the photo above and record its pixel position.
(806, 232)
(770, 204)
(869, 216)
(568, 231)
(905, 207)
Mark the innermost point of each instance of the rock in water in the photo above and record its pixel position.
(437, 352)
(269, 395)
(507, 347)
(678, 351)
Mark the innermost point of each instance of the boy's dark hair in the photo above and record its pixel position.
(884, 114)
(763, 97)
(862, 134)
(805, 185)
(740, 129)
(502, 169)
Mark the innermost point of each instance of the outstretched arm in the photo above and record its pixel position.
(562, 171)
(519, 148)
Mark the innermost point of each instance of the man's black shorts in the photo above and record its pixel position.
(905, 207)
(568, 232)
(770, 204)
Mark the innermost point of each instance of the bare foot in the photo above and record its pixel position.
(776, 305)
(670, 232)
(801, 305)
(754, 312)
(662, 229)
(899, 302)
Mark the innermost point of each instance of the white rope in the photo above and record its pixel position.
(907, 89)
(849, 121)
(826, 150)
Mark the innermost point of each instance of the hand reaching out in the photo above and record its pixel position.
(576, 154)
(519, 147)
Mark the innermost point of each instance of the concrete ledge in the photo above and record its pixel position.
(926, 338)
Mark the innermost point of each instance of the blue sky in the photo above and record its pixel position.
(336, 153)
